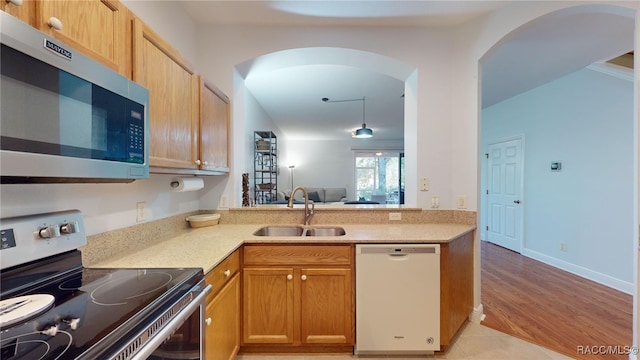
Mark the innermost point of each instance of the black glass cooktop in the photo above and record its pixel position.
(92, 307)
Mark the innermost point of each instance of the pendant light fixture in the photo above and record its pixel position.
(364, 132)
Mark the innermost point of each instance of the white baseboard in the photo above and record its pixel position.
(477, 315)
(625, 287)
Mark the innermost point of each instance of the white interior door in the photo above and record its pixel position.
(504, 194)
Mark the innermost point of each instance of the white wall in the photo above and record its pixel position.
(428, 50)
(170, 21)
(320, 163)
(584, 120)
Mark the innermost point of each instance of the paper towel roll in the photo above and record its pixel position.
(186, 184)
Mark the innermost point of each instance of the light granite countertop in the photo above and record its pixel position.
(207, 247)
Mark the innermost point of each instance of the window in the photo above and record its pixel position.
(380, 177)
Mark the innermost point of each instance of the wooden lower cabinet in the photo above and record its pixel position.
(456, 286)
(268, 313)
(223, 332)
(305, 305)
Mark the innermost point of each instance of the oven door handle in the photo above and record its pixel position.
(172, 326)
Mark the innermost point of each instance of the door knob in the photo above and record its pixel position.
(303, 277)
(289, 277)
(516, 201)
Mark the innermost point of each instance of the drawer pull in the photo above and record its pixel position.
(289, 277)
(208, 321)
(227, 273)
(55, 23)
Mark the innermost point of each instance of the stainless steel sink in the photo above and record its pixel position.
(280, 231)
(325, 231)
(283, 230)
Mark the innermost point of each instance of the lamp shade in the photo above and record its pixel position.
(363, 133)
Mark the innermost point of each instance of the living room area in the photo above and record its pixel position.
(338, 172)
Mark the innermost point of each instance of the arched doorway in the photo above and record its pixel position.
(565, 42)
(326, 58)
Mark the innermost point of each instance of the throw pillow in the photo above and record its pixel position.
(314, 196)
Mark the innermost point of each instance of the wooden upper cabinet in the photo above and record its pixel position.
(97, 28)
(25, 12)
(173, 99)
(214, 128)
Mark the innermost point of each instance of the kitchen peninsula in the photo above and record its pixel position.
(219, 251)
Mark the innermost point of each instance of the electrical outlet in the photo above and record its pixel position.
(563, 247)
(395, 216)
(224, 202)
(141, 211)
(435, 202)
(461, 201)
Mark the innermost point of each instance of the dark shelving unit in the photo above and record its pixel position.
(265, 166)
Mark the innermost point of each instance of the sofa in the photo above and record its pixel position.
(318, 195)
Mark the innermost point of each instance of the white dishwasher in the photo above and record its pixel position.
(397, 299)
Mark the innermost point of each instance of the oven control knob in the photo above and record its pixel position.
(51, 331)
(49, 232)
(71, 227)
(73, 323)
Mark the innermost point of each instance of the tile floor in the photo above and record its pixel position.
(476, 342)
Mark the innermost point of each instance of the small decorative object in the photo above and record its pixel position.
(245, 190)
(196, 221)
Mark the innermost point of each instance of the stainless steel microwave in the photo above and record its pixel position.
(65, 117)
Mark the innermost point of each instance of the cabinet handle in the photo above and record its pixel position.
(198, 162)
(55, 23)
(227, 273)
(303, 277)
(15, 2)
(289, 277)
(208, 321)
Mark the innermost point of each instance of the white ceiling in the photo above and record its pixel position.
(540, 52)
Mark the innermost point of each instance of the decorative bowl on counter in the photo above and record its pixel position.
(202, 220)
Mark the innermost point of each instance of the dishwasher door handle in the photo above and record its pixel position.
(398, 257)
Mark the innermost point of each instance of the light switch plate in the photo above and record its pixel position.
(224, 202)
(461, 201)
(141, 211)
(424, 184)
(395, 216)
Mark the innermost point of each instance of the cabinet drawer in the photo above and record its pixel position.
(298, 254)
(222, 273)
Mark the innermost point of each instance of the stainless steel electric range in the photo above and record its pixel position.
(51, 307)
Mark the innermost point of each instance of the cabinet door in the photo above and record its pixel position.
(173, 99)
(326, 306)
(268, 305)
(223, 333)
(214, 128)
(94, 27)
(25, 12)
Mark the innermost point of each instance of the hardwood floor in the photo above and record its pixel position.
(536, 302)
